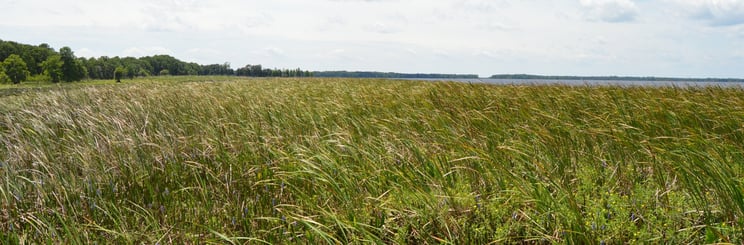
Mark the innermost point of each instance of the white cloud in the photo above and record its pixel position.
(496, 26)
(715, 12)
(86, 52)
(146, 51)
(351, 1)
(271, 52)
(383, 28)
(488, 6)
(338, 53)
(462, 36)
(610, 10)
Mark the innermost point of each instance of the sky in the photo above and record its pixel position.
(676, 38)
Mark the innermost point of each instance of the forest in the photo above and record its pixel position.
(21, 62)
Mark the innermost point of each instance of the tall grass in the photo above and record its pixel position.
(370, 161)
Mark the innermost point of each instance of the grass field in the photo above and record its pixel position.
(230, 160)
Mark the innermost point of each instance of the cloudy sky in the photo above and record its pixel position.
(680, 38)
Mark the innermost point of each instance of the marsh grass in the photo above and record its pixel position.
(229, 160)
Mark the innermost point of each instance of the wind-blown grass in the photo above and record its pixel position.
(370, 161)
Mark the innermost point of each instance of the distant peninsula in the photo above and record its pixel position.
(614, 78)
(376, 74)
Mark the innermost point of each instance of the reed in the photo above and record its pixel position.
(233, 160)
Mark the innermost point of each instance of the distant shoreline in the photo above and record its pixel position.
(377, 74)
(613, 78)
(396, 75)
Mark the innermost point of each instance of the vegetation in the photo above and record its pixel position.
(119, 73)
(31, 55)
(15, 69)
(65, 66)
(53, 68)
(3, 77)
(374, 74)
(227, 160)
(257, 71)
(72, 68)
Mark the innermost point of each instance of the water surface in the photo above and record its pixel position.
(630, 83)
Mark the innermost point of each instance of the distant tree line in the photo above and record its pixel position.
(19, 61)
(258, 71)
(374, 74)
(613, 78)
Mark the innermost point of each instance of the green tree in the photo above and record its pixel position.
(53, 67)
(119, 73)
(72, 68)
(164, 72)
(15, 69)
(3, 78)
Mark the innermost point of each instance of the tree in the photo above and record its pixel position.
(15, 69)
(119, 73)
(53, 67)
(3, 78)
(72, 68)
(164, 72)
